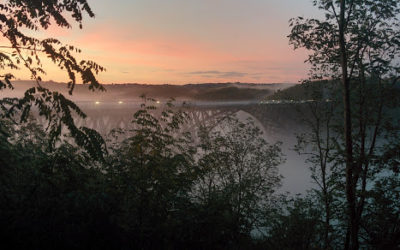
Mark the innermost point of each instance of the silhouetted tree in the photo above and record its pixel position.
(151, 171)
(19, 20)
(294, 223)
(239, 176)
(318, 143)
(357, 41)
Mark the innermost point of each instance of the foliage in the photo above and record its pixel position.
(50, 199)
(371, 33)
(239, 174)
(151, 171)
(380, 226)
(20, 19)
(357, 42)
(294, 223)
(148, 193)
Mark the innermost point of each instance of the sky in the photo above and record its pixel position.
(189, 41)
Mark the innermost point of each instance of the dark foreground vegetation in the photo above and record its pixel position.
(157, 186)
(153, 189)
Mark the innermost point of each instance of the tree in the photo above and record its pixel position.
(52, 198)
(47, 187)
(17, 20)
(294, 223)
(357, 43)
(239, 175)
(317, 142)
(151, 172)
(380, 226)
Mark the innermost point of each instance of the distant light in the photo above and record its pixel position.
(158, 102)
(97, 102)
(120, 102)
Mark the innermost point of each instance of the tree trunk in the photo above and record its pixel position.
(350, 186)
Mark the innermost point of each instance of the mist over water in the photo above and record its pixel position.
(294, 169)
(114, 109)
(277, 126)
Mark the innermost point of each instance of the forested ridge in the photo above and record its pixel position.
(188, 92)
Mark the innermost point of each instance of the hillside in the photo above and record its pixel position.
(305, 91)
(124, 92)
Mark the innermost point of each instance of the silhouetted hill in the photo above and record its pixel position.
(232, 93)
(304, 91)
(315, 90)
(124, 92)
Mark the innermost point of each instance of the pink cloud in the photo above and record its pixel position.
(145, 55)
(117, 42)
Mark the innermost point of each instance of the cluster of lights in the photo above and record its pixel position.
(120, 102)
(292, 101)
(97, 102)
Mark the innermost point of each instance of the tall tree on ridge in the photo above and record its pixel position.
(358, 42)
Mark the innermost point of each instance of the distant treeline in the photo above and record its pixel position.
(205, 91)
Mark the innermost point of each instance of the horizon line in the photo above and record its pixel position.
(166, 83)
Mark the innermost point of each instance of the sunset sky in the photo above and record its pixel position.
(190, 41)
